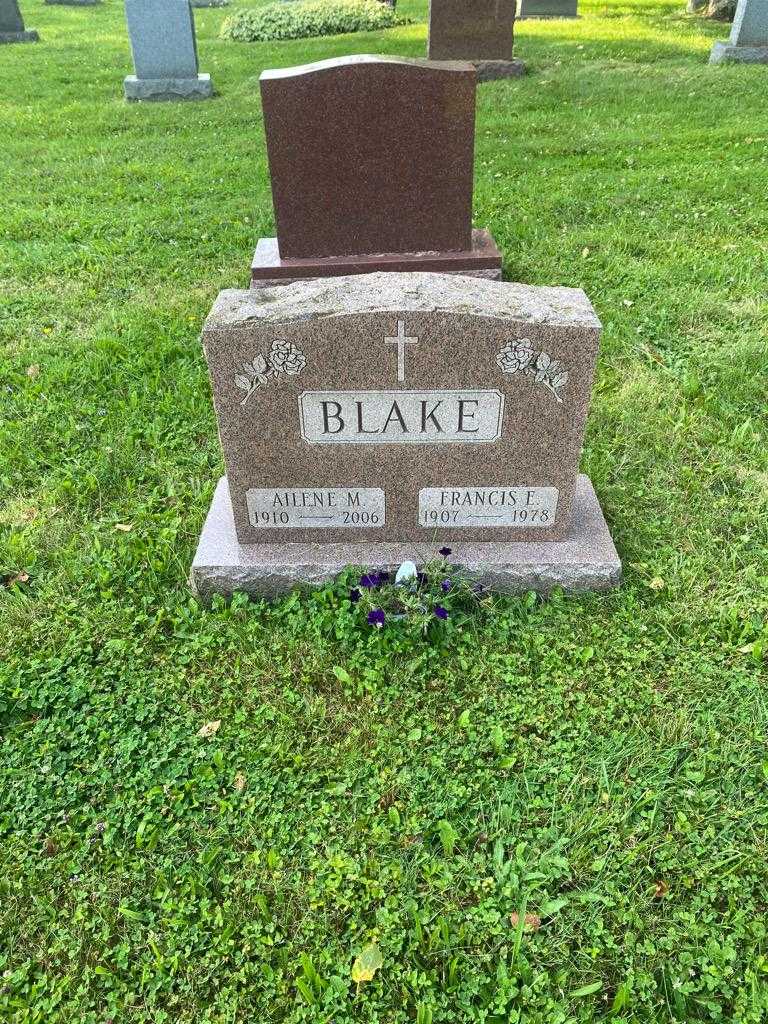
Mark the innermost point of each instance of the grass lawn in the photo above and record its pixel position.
(597, 762)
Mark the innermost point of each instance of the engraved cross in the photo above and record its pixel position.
(401, 341)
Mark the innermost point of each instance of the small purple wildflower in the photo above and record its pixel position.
(354, 595)
(444, 552)
(445, 586)
(370, 580)
(376, 618)
(440, 612)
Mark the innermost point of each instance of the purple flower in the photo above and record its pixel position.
(445, 586)
(370, 580)
(440, 612)
(354, 595)
(444, 552)
(376, 618)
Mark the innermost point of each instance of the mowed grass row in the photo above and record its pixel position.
(598, 763)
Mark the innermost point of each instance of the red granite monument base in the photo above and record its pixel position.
(482, 260)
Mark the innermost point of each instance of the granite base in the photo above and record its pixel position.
(483, 260)
(155, 89)
(491, 70)
(29, 36)
(724, 52)
(584, 560)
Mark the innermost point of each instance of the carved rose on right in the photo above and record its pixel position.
(519, 357)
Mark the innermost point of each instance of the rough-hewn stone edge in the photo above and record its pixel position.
(154, 89)
(586, 560)
(726, 52)
(28, 36)
(319, 298)
(492, 70)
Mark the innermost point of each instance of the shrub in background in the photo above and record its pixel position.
(308, 18)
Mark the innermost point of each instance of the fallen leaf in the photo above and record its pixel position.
(628, 302)
(366, 964)
(209, 729)
(240, 781)
(531, 921)
(585, 252)
(50, 849)
(124, 527)
(657, 583)
(33, 371)
(661, 890)
(20, 577)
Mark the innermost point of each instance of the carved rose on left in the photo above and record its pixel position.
(283, 358)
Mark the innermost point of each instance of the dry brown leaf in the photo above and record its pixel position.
(50, 849)
(124, 527)
(531, 921)
(33, 371)
(657, 583)
(20, 577)
(209, 729)
(240, 781)
(661, 890)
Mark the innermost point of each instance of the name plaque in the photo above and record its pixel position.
(401, 417)
(524, 507)
(316, 508)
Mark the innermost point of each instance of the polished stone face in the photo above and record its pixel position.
(401, 407)
(162, 38)
(10, 17)
(370, 155)
(471, 29)
(750, 25)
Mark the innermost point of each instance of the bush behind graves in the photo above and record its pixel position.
(308, 18)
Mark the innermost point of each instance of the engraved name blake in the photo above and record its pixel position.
(401, 417)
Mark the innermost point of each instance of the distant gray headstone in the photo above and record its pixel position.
(12, 24)
(548, 9)
(164, 51)
(749, 35)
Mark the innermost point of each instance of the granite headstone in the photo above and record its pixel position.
(748, 43)
(548, 9)
(479, 31)
(162, 34)
(12, 24)
(371, 162)
(369, 419)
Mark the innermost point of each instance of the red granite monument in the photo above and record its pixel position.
(371, 162)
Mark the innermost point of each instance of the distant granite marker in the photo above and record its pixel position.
(748, 43)
(162, 34)
(12, 24)
(479, 31)
(548, 9)
(371, 161)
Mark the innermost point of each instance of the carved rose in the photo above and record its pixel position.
(286, 358)
(515, 356)
(518, 356)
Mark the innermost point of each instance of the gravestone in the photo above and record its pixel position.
(548, 9)
(162, 34)
(12, 24)
(748, 43)
(479, 31)
(371, 161)
(368, 420)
